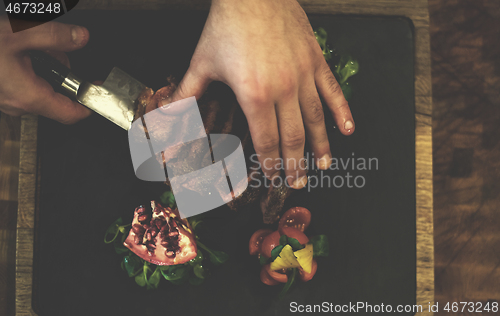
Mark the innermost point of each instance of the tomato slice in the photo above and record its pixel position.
(280, 277)
(256, 240)
(294, 233)
(272, 240)
(266, 278)
(296, 217)
(304, 276)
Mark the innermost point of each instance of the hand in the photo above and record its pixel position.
(265, 50)
(21, 91)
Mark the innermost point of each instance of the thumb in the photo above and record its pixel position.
(193, 84)
(52, 36)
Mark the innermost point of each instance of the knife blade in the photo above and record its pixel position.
(115, 99)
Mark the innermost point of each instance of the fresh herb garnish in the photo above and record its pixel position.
(321, 37)
(288, 284)
(132, 264)
(154, 280)
(285, 240)
(276, 252)
(216, 257)
(320, 246)
(345, 68)
(294, 243)
(114, 230)
(168, 199)
(263, 260)
(149, 275)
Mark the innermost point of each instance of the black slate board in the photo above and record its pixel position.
(87, 182)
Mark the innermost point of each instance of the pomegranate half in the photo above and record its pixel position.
(161, 236)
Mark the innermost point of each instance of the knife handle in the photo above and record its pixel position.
(55, 73)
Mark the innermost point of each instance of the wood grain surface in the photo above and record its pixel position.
(466, 80)
(10, 133)
(416, 10)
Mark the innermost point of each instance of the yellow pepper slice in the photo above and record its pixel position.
(289, 259)
(285, 260)
(304, 257)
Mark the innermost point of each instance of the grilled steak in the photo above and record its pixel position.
(221, 114)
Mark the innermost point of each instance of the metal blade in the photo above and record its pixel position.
(114, 99)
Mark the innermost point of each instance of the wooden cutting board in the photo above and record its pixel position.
(422, 176)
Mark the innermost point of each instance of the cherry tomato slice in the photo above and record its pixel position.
(272, 240)
(294, 233)
(266, 279)
(256, 240)
(304, 276)
(296, 217)
(280, 277)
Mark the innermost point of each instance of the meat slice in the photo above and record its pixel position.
(221, 114)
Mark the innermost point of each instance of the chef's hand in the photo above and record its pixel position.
(265, 50)
(21, 91)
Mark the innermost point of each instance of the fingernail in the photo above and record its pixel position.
(299, 183)
(324, 162)
(77, 35)
(348, 125)
(166, 101)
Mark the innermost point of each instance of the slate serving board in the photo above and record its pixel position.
(87, 181)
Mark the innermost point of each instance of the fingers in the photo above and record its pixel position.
(44, 101)
(263, 125)
(314, 122)
(292, 141)
(332, 94)
(194, 83)
(61, 57)
(51, 36)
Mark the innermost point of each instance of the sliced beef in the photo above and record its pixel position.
(221, 114)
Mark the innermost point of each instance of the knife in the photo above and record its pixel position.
(115, 99)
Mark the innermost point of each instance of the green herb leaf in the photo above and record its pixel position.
(112, 231)
(288, 284)
(276, 252)
(154, 280)
(199, 271)
(194, 221)
(320, 245)
(346, 90)
(295, 244)
(216, 257)
(118, 242)
(198, 259)
(140, 279)
(348, 67)
(263, 260)
(120, 248)
(176, 272)
(132, 265)
(321, 37)
(283, 240)
(168, 199)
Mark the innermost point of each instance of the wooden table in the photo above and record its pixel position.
(416, 10)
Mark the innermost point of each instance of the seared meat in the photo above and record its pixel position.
(221, 114)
